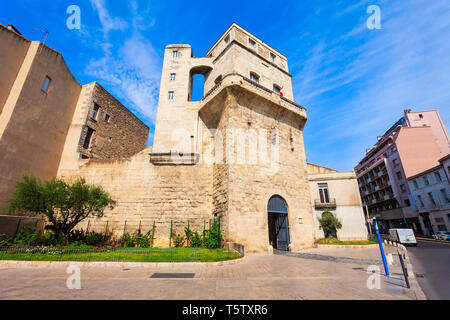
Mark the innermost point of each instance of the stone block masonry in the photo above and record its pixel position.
(146, 193)
(118, 133)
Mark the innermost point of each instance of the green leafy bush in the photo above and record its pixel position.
(212, 238)
(90, 238)
(65, 205)
(94, 238)
(329, 223)
(196, 240)
(5, 241)
(27, 236)
(178, 240)
(137, 240)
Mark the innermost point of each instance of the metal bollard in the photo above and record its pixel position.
(405, 270)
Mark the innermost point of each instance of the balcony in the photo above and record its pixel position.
(319, 204)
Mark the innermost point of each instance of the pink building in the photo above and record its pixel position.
(412, 145)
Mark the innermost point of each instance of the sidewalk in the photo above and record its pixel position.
(257, 277)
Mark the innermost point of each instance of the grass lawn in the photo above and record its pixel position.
(338, 242)
(120, 254)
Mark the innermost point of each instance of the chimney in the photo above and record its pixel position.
(14, 29)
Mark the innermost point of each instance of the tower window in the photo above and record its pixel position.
(87, 140)
(95, 112)
(218, 80)
(172, 76)
(170, 95)
(46, 84)
(227, 39)
(254, 77)
(175, 54)
(272, 57)
(276, 89)
(107, 118)
(251, 44)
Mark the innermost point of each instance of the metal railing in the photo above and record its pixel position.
(320, 204)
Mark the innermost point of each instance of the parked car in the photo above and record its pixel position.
(403, 236)
(442, 235)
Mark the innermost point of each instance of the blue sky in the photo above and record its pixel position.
(354, 82)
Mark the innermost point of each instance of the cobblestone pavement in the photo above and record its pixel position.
(258, 276)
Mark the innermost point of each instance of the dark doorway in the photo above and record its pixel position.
(278, 223)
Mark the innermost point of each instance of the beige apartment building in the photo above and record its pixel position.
(339, 193)
(40, 103)
(237, 154)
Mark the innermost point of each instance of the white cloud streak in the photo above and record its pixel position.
(356, 92)
(132, 68)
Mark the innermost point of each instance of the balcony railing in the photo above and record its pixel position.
(330, 204)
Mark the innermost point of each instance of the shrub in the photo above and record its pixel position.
(189, 234)
(178, 240)
(94, 238)
(65, 205)
(329, 223)
(137, 240)
(212, 238)
(27, 236)
(196, 240)
(77, 236)
(193, 239)
(5, 241)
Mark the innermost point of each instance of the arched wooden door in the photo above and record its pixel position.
(278, 223)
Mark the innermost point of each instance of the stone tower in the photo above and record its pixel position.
(248, 130)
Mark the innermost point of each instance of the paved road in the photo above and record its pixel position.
(258, 277)
(432, 260)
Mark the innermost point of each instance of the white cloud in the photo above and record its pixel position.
(108, 23)
(132, 68)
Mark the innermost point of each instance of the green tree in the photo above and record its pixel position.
(65, 205)
(329, 223)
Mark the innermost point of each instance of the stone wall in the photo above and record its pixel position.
(146, 193)
(252, 184)
(9, 225)
(122, 136)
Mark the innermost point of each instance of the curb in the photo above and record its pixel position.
(313, 256)
(415, 287)
(123, 265)
(342, 246)
(433, 240)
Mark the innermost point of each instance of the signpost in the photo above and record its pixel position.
(380, 243)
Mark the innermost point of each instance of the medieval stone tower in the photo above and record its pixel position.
(237, 154)
(247, 127)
